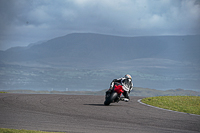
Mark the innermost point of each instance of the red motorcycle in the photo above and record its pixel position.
(114, 95)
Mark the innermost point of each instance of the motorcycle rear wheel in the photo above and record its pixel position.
(111, 98)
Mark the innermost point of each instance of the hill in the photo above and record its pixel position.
(146, 92)
(83, 61)
(96, 50)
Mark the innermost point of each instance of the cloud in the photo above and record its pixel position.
(30, 21)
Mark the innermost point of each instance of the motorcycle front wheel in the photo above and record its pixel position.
(111, 98)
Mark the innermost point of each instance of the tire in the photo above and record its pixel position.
(111, 98)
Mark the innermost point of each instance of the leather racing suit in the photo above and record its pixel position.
(125, 82)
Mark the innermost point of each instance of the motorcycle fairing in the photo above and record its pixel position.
(119, 89)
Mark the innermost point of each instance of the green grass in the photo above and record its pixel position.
(187, 104)
(5, 130)
(2, 92)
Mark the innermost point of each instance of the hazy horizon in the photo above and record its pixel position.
(86, 61)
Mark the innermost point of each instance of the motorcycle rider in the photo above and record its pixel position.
(126, 83)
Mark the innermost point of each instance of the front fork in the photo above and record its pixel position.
(108, 95)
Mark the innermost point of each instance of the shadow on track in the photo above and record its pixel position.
(95, 104)
(102, 105)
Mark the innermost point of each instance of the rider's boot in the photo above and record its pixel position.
(124, 99)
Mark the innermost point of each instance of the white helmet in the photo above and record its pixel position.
(128, 76)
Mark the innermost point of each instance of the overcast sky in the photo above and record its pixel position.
(26, 21)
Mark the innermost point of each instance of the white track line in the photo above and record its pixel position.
(164, 109)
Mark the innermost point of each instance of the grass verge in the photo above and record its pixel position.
(2, 92)
(186, 104)
(5, 130)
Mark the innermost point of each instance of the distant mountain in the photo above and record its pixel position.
(146, 92)
(95, 50)
(37, 43)
(86, 61)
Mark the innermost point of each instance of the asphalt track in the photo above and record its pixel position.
(87, 114)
